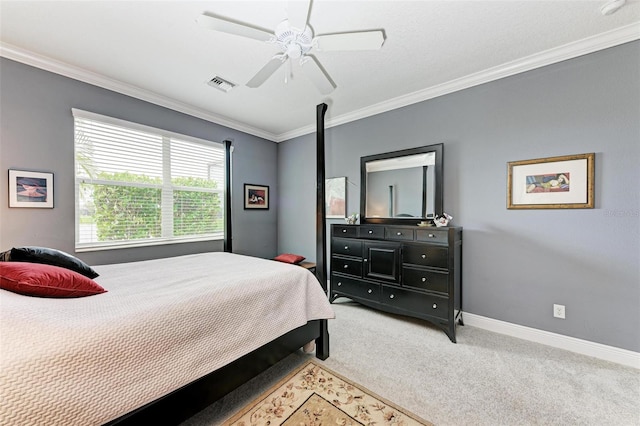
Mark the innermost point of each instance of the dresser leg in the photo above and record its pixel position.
(452, 334)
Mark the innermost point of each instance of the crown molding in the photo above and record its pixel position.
(558, 54)
(58, 67)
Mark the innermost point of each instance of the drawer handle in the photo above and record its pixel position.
(424, 279)
(432, 236)
(344, 230)
(346, 247)
(399, 233)
(370, 231)
(339, 283)
(370, 291)
(424, 256)
(391, 296)
(434, 306)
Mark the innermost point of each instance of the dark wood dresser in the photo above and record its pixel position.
(408, 270)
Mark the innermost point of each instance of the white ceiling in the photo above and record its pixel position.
(155, 51)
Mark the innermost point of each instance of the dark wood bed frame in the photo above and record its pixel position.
(183, 403)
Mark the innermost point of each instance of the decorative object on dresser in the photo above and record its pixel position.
(402, 269)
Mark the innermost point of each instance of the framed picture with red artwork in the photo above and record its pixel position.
(256, 197)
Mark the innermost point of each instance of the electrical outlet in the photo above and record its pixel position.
(558, 311)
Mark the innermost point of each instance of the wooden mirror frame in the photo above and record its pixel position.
(438, 186)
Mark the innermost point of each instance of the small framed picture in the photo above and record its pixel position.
(256, 197)
(565, 182)
(30, 189)
(335, 197)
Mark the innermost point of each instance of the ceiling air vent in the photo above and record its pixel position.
(221, 83)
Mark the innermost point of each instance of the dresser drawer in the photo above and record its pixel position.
(347, 247)
(347, 266)
(344, 231)
(371, 231)
(426, 255)
(351, 287)
(398, 234)
(433, 235)
(415, 302)
(425, 280)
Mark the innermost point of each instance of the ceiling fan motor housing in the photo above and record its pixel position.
(293, 42)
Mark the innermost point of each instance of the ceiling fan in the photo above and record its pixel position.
(295, 40)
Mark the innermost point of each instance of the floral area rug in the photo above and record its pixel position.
(314, 396)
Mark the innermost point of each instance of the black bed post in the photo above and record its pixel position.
(227, 194)
(322, 342)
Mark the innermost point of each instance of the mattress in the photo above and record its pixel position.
(162, 324)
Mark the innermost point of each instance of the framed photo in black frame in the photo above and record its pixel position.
(256, 197)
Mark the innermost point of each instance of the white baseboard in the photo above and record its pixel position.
(584, 347)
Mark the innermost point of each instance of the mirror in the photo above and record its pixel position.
(401, 186)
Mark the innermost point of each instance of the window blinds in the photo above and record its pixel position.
(137, 185)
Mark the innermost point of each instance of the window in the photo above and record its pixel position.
(137, 185)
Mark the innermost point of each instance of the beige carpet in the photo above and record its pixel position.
(315, 395)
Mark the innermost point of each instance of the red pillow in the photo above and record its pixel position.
(42, 280)
(289, 258)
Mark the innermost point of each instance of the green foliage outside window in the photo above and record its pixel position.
(194, 212)
(132, 212)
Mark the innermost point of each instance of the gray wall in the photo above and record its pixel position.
(37, 134)
(517, 263)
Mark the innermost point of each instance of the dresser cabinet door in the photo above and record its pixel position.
(356, 288)
(426, 255)
(382, 261)
(416, 302)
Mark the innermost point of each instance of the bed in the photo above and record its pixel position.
(167, 331)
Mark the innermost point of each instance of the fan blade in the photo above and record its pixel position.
(228, 26)
(298, 12)
(366, 40)
(265, 72)
(318, 75)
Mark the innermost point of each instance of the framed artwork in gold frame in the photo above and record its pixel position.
(565, 182)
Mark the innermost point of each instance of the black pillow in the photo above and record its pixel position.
(53, 257)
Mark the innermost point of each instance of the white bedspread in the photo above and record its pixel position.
(162, 324)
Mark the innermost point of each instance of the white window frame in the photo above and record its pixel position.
(167, 188)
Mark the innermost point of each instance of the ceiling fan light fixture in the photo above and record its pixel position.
(611, 7)
(291, 41)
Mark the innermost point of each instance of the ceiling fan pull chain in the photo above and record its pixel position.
(288, 72)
